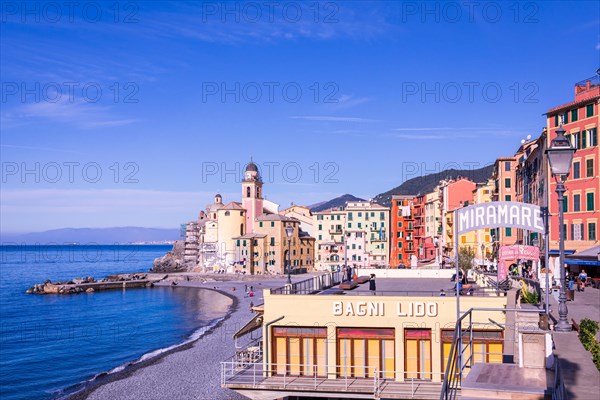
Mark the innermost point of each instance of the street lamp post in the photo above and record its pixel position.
(560, 155)
(289, 231)
(483, 255)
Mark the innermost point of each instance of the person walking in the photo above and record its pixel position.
(581, 280)
(372, 284)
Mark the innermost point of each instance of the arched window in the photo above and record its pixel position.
(248, 191)
(258, 192)
(227, 213)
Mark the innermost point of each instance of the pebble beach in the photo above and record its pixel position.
(189, 371)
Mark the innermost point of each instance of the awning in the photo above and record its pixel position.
(252, 325)
(557, 252)
(591, 254)
(582, 262)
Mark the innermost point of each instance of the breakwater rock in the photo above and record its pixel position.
(174, 260)
(89, 284)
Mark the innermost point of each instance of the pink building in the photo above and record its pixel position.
(330, 255)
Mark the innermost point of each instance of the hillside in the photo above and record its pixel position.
(339, 201)
(425, 184)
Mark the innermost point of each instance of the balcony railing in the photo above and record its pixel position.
(310, 377)
(588, 83)
(310, 286)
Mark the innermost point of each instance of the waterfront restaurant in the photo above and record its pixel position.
(351, 342)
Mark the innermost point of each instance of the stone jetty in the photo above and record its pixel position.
(89, 284)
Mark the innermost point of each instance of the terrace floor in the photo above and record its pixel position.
(252, 384)
(407, 287)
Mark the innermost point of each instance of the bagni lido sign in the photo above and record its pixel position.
(378, 309)
(498, 214)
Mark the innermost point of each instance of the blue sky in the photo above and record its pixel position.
(133, 115)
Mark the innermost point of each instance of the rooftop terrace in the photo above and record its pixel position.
(331, 284)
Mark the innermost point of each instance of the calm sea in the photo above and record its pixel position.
(49, 343)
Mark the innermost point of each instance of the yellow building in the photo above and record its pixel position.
(347, 343)
(272, 256)
(302, 214)
(249, 236)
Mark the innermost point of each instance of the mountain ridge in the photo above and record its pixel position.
(339, 201)
(426, 183)
(112, 235)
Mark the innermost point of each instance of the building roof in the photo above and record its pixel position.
(573, 104)
(251, 236)
(233, 206)
(214, 206)
(331, 244)
(276, 217)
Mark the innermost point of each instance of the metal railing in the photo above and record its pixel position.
(455, 368)
(309, 376)
(594, 81)
(559, 391)
(311, 285)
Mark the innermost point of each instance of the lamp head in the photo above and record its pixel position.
(289, 230)
(560, 154)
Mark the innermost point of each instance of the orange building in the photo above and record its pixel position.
(403, 245)
(581, 206)
(505, 181)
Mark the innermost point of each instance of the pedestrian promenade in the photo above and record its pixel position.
(582, 379)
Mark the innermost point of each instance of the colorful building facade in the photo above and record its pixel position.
(580, 119)
(403, 228)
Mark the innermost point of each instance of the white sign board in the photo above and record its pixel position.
(500, 214)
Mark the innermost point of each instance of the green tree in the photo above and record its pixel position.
(466, 255)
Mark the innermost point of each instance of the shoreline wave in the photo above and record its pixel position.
(72, 392)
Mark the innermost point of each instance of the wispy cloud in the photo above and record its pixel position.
(440, 133)
(217, 22)
(16, 146)
(65, 201)
(331, 118)
(348, 101)
(76, 112)
(419, 137)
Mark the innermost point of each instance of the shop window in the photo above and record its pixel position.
(417, 354)
(361, 352)
(299, 351)
(487, 347)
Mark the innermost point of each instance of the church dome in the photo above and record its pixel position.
(251, 167)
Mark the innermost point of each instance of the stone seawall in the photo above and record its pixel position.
(79, 285)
